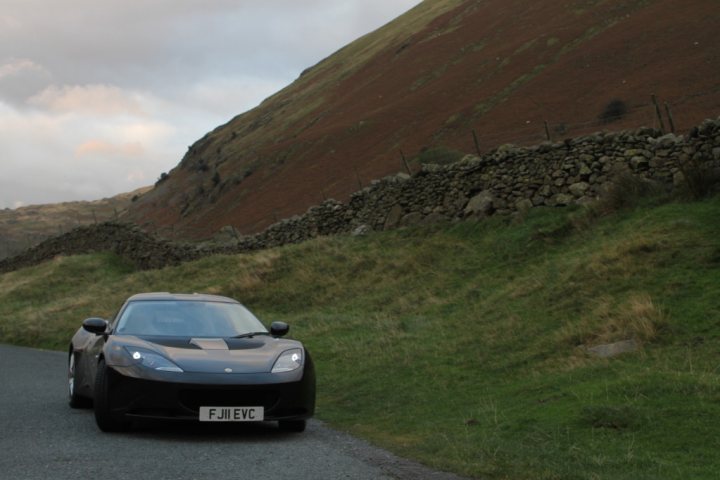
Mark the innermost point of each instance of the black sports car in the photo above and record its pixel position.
(189, 357)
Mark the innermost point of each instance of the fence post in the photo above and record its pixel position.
(357, 177)
(658, 113)
(671, 121)
(477, 142)
(547, 131)
(407, 167)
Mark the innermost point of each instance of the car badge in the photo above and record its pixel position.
(228, 370)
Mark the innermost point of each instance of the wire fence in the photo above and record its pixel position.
(658, 113)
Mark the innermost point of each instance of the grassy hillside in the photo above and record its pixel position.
(464, 346)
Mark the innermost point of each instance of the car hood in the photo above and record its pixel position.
(217, 355)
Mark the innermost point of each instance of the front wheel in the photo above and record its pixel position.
(105, 419)
(74, 400)
(292, 425)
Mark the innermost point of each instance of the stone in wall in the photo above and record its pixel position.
(480, 205)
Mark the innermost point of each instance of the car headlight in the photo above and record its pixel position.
(152, 360)
(288, 361)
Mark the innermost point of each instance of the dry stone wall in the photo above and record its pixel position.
(507, 180)
(143, 250)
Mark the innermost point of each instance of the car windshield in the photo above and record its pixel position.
(176, 318)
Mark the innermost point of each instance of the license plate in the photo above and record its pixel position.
(232, 414)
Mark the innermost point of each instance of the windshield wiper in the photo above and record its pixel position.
(250, 334)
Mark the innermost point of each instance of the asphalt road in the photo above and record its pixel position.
(41, 437)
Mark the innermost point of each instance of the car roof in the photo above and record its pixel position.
(197, 297)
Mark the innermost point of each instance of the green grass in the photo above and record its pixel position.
(463, 346)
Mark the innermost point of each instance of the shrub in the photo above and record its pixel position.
(700, 179)
(201, 165)
(439, 156)
(601, 416)
(614, 111)
(638, 318)
(560, 128)
(163, 176)
(624, 191)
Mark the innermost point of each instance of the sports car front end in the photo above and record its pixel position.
(178, 379)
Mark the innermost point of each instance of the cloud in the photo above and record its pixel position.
(101, 100)
(172, 44)
(20, 78)
(49, 158)
(136, 176)
(8, 24)
(106, 149)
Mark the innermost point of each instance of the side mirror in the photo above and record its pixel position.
(95, 325)
(278, 329)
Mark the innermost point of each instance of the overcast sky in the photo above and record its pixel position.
(99, 97)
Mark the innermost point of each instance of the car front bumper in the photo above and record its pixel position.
(179, 396)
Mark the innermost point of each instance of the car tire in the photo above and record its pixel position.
(74, 400)
(292, 425)
(105, 419)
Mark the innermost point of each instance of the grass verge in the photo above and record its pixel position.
(465, 346)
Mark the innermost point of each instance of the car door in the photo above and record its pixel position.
(93, 352)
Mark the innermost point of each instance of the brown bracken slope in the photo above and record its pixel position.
(428, 79)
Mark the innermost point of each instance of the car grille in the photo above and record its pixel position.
(194, 399)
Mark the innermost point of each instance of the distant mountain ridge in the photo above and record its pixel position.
(448, 74)
(23, 227)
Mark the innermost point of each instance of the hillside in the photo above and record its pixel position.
(428, 79)
(467, 346)
(23, 227)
